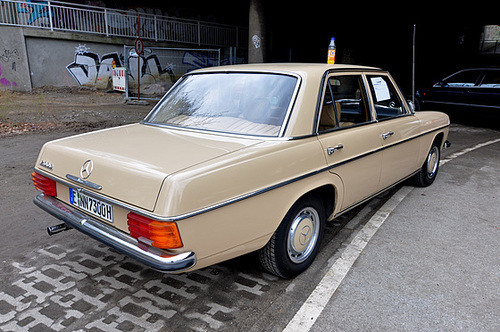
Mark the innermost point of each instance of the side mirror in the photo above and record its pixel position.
(411, 105)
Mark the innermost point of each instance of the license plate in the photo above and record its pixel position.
(91, 205)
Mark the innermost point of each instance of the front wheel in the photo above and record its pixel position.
(427, 173)
(295, 244)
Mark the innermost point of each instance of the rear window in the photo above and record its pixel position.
(238, 103)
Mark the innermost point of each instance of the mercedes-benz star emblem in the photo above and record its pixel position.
(86, 169)
(304, 235)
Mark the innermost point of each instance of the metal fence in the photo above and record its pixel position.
(61, 16)
(151, 74)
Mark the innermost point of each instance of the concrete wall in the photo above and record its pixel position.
(13, 60)
(32, 58)
(62, 63)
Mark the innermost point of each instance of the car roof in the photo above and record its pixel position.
(299, 123)
(287, 67)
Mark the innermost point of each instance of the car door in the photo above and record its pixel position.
(484, 98)
(398, 129)
(452, 92)
(349, 136)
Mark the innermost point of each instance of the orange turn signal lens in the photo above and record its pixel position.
(163, 235)
(44, 184)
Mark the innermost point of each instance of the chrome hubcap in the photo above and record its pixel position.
(303, 235)
(432, 162)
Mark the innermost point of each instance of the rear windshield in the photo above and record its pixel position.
(237, 103)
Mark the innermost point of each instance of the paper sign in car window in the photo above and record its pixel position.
(381, 89)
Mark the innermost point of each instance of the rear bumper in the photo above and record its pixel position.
(153, 257)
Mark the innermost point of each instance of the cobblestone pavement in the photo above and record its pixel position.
(98, 289)
(73, 283)
(70, 282)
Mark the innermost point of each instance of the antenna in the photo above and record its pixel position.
(413, 67)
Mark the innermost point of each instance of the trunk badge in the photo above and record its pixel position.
(86, 169)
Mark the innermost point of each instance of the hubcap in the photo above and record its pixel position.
(303, 235)
(432, 162)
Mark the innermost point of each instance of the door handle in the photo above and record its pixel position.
(331, 150)
(387, 134)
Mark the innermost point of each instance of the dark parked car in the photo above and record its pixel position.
(469, 95)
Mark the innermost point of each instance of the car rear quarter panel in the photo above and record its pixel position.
(246, 225)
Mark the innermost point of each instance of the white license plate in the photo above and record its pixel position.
(91, 205)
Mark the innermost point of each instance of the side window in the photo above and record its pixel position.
(491, 79)
(344, 103)
(466, 78)
(385, 98)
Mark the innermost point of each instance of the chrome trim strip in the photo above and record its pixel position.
(155, 258)
(84, 182)
(239, 198)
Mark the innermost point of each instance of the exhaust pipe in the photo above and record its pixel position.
(57, 229)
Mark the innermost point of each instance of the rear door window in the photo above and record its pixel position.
(491, 79)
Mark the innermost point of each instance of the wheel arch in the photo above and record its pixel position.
(439, 138)
(327, 194)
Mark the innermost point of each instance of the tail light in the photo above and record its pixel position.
(159, 234)
(44, 184)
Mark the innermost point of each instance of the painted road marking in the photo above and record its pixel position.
(307, 315)
(464, 151)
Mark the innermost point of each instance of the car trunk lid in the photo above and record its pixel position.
(131, 162)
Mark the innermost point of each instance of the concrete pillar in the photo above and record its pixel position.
(256, 33)
(14, 67)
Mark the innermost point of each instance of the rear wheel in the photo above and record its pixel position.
(427, 174)
(295, 244)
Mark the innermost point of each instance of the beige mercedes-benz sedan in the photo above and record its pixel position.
(238, 159)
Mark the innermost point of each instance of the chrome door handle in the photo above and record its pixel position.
(387, 134)
(331, 151)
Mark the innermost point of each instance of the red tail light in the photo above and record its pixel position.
(44, 184)
(164, 235)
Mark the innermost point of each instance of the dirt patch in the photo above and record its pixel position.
(79, 109)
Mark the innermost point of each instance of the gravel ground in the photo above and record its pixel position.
(74, 109)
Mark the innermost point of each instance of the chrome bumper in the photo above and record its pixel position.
(155, 258)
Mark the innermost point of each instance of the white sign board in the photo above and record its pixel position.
(119, 78)
(381, 89)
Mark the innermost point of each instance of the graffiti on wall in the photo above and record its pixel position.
(88, 69)
(197, 60)
(8, 57)
(4, 81)
(33, 11)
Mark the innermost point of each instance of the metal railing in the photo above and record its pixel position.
(61, 16)
(489, 47)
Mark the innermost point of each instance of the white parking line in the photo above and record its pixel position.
(464, 151)
(307, 315)
(311, 309)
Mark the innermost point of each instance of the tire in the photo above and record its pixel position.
(295, 244)
(428, 172)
